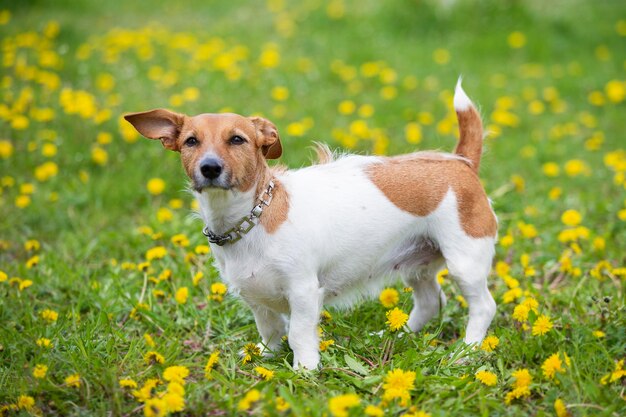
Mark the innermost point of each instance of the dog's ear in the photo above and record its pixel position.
(267, 137)
(158, 124)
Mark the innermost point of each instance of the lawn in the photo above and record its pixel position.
(109, 304)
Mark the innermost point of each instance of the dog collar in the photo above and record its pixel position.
(246, 224)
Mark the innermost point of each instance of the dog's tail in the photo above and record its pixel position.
(470, 143)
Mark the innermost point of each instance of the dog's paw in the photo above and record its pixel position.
(309, 361)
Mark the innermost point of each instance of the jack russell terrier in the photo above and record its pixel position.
(290, 241)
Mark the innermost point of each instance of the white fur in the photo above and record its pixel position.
(342, 240)
(461, 101)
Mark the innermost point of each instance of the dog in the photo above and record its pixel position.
(290, 241)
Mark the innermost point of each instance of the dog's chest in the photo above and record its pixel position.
(253, 280)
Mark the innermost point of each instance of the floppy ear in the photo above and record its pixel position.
(158, 124)
(267, 138)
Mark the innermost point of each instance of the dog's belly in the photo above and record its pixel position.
(353, 279)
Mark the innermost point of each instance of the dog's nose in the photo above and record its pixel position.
(211, 168)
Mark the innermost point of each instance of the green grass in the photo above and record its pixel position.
(572, 51)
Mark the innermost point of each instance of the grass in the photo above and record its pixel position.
(556, 96)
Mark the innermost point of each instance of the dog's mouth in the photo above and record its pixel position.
(220, 183)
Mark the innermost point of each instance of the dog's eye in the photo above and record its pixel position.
(236, 140)
(191, 141)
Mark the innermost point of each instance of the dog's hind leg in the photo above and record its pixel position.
(469, 264)
(428, 298)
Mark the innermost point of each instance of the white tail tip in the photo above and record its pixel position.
(461, 101)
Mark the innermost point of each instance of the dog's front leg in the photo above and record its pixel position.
(305, 303)
(271, 327)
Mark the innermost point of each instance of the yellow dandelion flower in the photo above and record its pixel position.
(181, 295)
(542, 325)
(218, 288)
(210, 364)
(153, 357)
(560, 409)
(374, 411)
(486, 377)
(195, 280)
(325, 344)
(249, 399)
(25, 402)
(281, 405)
(155, 407)
(32, 245)
(157, 252)
(49, 315)
(44, 342)
(264, 373)
(202, 249)
(490, 343)
(127, 383)
(599, 334)
(389, 297)
(39, 371)
(156, 186)
(516, 40)
(72, 381)
(250, 350)
(571, 218)
(397, 384)
(180, 240)
(396, 319)
(176, 373)
(552, 365)
(340, 404)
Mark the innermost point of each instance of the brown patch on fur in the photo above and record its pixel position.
(277, 212)
(417, 183)
(471, 136)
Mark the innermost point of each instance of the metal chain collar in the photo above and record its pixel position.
(246, 224)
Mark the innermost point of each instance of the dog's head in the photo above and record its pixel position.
(217, 150)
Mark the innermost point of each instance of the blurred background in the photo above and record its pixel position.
(84, 199)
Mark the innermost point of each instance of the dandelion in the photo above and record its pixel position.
(618, 373)
(32, 262)
(389, 297)
(516, 40)
(599, 334)
(210, 364)
(127, 383)
(250, 350)
(202, 249)
(156, 186)
(374, 411)
(249, 399)
(180, 240)
(521, 386)
(441, 56)
(490, 343)
(25, 402)
(218, 289)
(155, 407)
(325, 344)
(176, 374)
(32, 245)
(571, 218)
(396, 319)
(43, 342)
(40, 371)
(153, 357)
(542, 325)
(264, 373)
(6, 149)
(181, 295)
(486, 377)
(560, 409)
(397, 384)
(174, 402)
(49, 315)
(340, 404)
(281, 405)
(552, 365)
(99, 156)
(72, 381)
